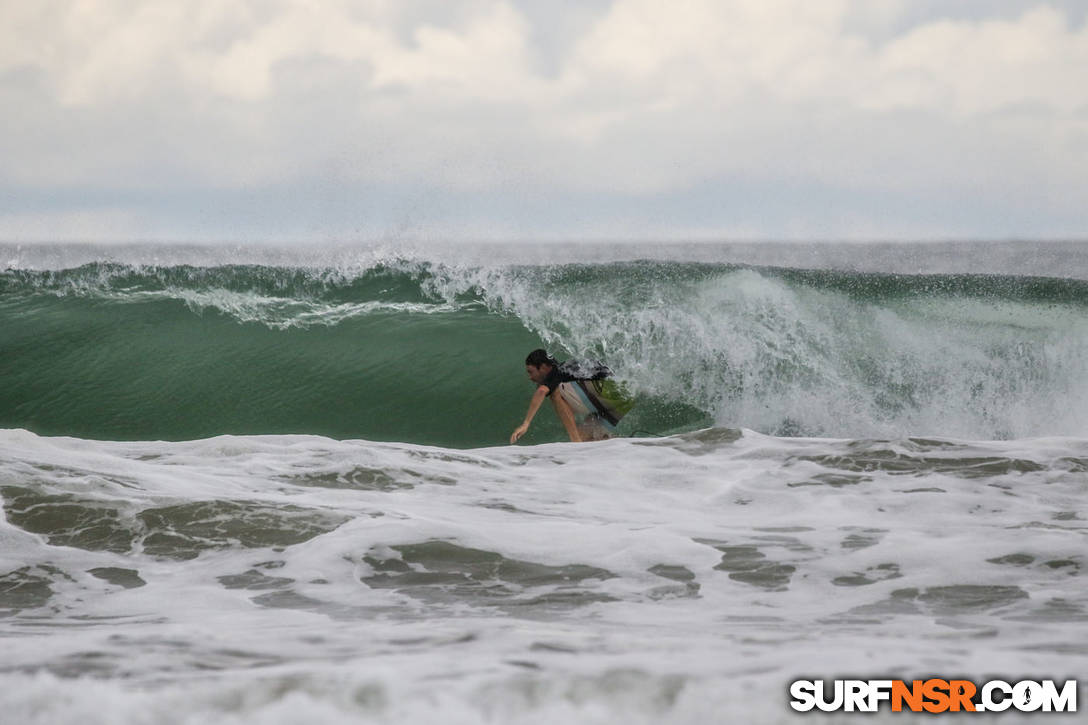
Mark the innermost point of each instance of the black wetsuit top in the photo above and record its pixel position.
(572, 370)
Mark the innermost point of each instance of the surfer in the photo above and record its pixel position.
(588, 404)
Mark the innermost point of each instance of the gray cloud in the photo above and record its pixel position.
(493, 119)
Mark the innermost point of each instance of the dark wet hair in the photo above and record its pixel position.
(539, 357)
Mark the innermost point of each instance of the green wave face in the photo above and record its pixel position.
(255, 351)
(432, 353)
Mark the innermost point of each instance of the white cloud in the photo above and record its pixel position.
(647, 99)
(975, 68)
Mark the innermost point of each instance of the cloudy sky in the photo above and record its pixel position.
(253, 120)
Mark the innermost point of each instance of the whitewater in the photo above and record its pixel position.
(272, 485)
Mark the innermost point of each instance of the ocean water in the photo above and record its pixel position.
(274, 486)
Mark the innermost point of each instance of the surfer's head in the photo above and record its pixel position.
(538, 364)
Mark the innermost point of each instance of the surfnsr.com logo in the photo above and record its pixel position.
(933, 695)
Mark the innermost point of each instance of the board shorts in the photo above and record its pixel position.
(596, 404)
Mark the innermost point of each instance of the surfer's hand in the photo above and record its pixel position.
(518, 432)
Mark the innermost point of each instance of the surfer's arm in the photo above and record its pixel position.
(534, 406)
(566, 415)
